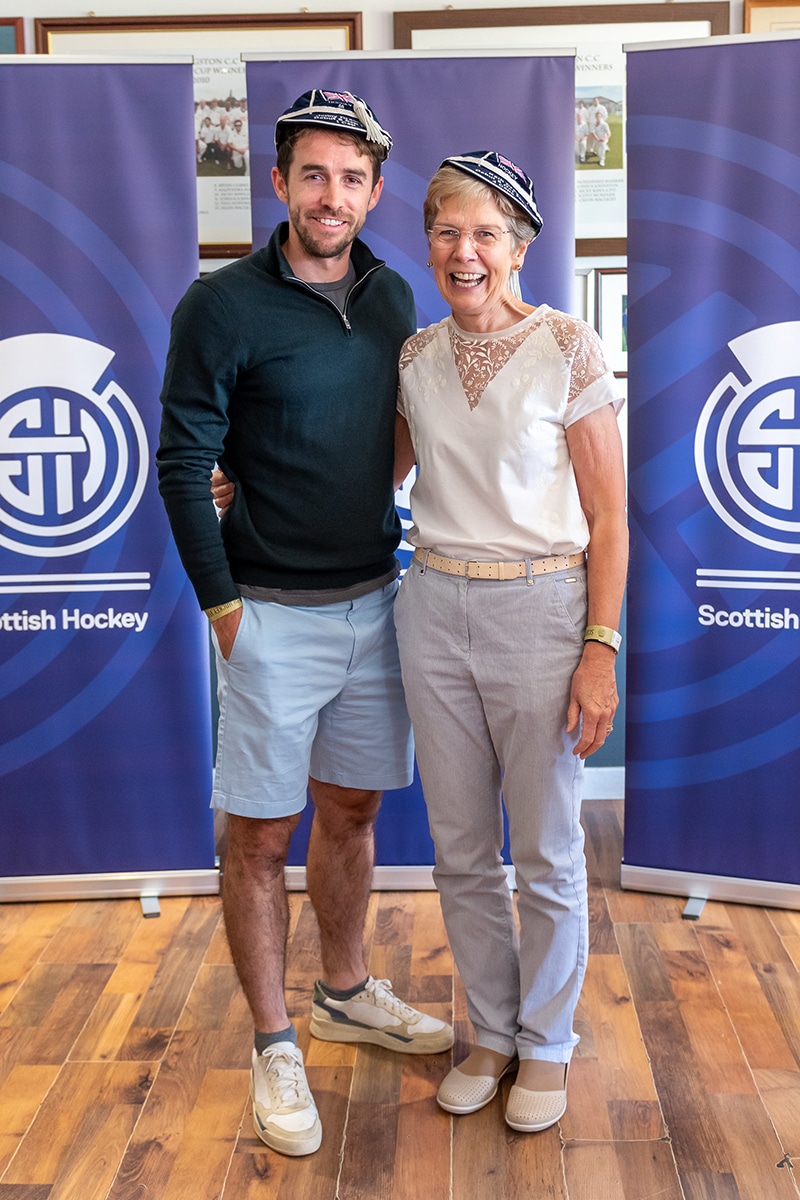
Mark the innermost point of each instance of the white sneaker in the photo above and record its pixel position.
(284, 1113)
(375, 1015)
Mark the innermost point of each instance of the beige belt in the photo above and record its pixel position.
(498, 570)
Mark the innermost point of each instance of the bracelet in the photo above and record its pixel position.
(602, 633)
(221, 610)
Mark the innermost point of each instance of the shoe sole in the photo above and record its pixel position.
(535, 1126)
(520, 1128)
(464, 1110)
(287, 1145)
(424, 1043)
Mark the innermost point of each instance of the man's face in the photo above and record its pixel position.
(328, 191)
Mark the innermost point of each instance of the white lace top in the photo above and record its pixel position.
(488, 415)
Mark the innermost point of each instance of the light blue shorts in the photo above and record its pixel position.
(310, 691)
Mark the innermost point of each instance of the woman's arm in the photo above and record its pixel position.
(222, 490)
(404, 456)
(596, 451)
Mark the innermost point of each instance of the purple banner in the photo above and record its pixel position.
(105, 735)
(434, 107)
(713, 733)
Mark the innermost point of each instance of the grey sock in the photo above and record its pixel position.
(262, 1040)
(335, 994)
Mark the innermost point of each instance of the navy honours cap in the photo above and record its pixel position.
(341, 111)
(503, 175)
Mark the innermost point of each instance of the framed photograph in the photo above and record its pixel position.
(611, 315)
(221, 119)
(770, 16)
(157, 34)
(12, 38)
(598, 33)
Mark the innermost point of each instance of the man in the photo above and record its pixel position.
(581, 132)
(239, 146)
(596, 107)
(283, 368)
(601, 135)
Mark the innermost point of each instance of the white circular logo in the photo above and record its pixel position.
(748, 440)
(73, 448)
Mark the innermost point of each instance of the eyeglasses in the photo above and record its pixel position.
(485, 237)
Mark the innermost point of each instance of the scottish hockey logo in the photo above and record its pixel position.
(73, 449)
(747, 444)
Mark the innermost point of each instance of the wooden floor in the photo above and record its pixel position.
(124, 1054)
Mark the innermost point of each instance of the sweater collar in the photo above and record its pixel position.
(277, 264)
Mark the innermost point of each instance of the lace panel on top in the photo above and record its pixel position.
(477, 363)
(416, 344)
(582, 350)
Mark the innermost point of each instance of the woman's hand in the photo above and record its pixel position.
(222, 490)
(593, 698)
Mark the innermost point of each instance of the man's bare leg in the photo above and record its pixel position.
(256, 911)
(339, 877)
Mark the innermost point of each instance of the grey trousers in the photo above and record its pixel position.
(486, 669)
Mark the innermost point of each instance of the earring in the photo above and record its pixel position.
(429, 263)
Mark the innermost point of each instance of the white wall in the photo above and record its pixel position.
(377, 18)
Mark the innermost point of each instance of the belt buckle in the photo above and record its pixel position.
(483, 570)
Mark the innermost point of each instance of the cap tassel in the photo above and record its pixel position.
(374, 131)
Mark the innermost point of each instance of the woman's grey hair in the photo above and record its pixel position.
(450, 183)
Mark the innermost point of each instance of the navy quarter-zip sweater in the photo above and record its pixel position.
(296, 402)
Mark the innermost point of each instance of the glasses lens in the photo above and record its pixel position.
(484, 237)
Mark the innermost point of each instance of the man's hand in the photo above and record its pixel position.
(225, 629)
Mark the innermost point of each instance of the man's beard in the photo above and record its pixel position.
(318, 248)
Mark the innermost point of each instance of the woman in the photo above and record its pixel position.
(507, 630)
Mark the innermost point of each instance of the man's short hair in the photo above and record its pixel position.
(371, 150)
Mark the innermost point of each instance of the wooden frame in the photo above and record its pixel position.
(715, 12)
(13, 35)
(610, 315)
(770, 16)
(350, 22)
(240, 29)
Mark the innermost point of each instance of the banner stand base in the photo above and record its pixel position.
(710, 887)
(111, 886)
(388, 879)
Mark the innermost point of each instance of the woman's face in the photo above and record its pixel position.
(471, 275)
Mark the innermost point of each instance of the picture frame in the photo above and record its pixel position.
(12, 35)
(223, 202)
(55, 35)
(716, 12)
(770, 16)
(611, 316)
(484, 28)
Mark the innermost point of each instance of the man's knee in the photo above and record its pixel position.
(257, 844)
(343, 809)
